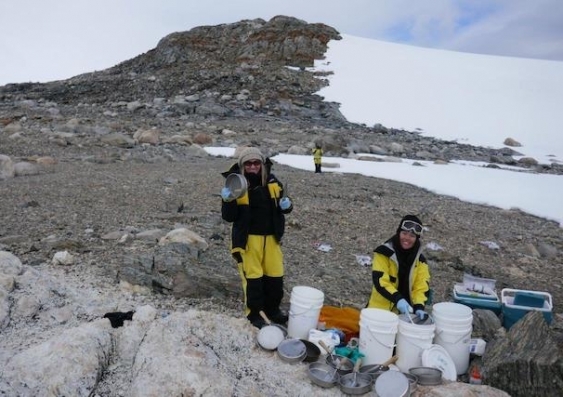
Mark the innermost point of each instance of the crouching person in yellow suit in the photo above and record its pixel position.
(400, 275)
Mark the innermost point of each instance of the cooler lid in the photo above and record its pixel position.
(437, 357)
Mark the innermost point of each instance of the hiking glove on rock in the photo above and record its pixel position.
(285, 203)
(404, 306)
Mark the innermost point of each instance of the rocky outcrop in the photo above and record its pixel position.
(178, 268)
(528, 361)
(70, 364)
(258, 61)
(249, 76)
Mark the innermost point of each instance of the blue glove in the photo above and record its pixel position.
(226, 194)
(421, 314)
(285, 203)
(404, 306)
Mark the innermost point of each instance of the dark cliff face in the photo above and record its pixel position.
(282, 41)
(225, 59)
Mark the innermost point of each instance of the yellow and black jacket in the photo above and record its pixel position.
(239, 212)
(385, 274)
(317, 155)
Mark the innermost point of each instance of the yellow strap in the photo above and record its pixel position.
(275, 190)
(243, 200)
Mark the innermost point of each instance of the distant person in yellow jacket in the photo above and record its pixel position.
(401, 279)
(317, 157)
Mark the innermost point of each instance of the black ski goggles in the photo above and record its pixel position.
(412, 226)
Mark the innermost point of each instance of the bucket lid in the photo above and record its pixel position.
(451, 310)
(372, 314)
(307, 293)
(269, 337)
(437, 357)
(292, 350)
(392, 384)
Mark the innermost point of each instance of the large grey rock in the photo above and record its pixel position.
(486, 324)
(191, 366)
(25, 168)
(458, 389)
(7, 169)
(130, 338)
(68, 365)
(10, 264)
(527, 362)
(4, 309)
(179, 269)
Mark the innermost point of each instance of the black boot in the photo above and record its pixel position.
(279, 317)
(273, 295)
(256, 320)
(255, 301)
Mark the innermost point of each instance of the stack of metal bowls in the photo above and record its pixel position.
(427, 376)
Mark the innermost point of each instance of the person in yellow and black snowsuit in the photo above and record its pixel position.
(317, 158)
(258, 219)
(401, 279)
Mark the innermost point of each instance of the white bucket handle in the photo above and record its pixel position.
(457, 340)
(292, 313)
(378, 341)
(414, 344)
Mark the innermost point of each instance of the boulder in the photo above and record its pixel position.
(174, 269)
(527, 362)
(486, 324)
(7, 169)
(67, 365)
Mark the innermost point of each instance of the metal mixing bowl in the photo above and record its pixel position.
(292, 351)
(344, 364)
(323, 374)
(313, 351)
(413, 381)
(427, 376)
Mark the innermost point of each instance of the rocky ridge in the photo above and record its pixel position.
(108, 163)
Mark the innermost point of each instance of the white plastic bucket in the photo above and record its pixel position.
(454, 324)
(412, 340)
(305, 306)
(454, 316)
(452, 312)
(378, 329)
(456, 343)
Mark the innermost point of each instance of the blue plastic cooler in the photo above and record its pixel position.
(476, 300)
(517, 303)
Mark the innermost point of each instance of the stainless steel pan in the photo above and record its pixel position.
(322, 374)
(356, 383)
(342, 364)
(237, 184)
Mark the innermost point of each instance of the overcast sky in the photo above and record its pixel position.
(44, 40)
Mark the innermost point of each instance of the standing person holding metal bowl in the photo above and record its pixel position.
(401, 279)
(258, 218)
